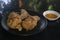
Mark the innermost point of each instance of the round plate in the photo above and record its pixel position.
(41, 25)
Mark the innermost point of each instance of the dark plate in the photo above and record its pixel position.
(40, 26)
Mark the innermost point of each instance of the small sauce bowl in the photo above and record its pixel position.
(51, 12)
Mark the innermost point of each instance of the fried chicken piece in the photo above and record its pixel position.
(34, 21)
(30, 22)
(13, 20)
(24, 14)
(37, 18)
(13, 15)
(19, 27)
(9, 23)
(27, 23)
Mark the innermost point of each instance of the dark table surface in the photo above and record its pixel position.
(51, 32)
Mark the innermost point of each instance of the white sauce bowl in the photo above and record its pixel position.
(51, 12)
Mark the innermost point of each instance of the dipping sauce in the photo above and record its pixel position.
(51, 15)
